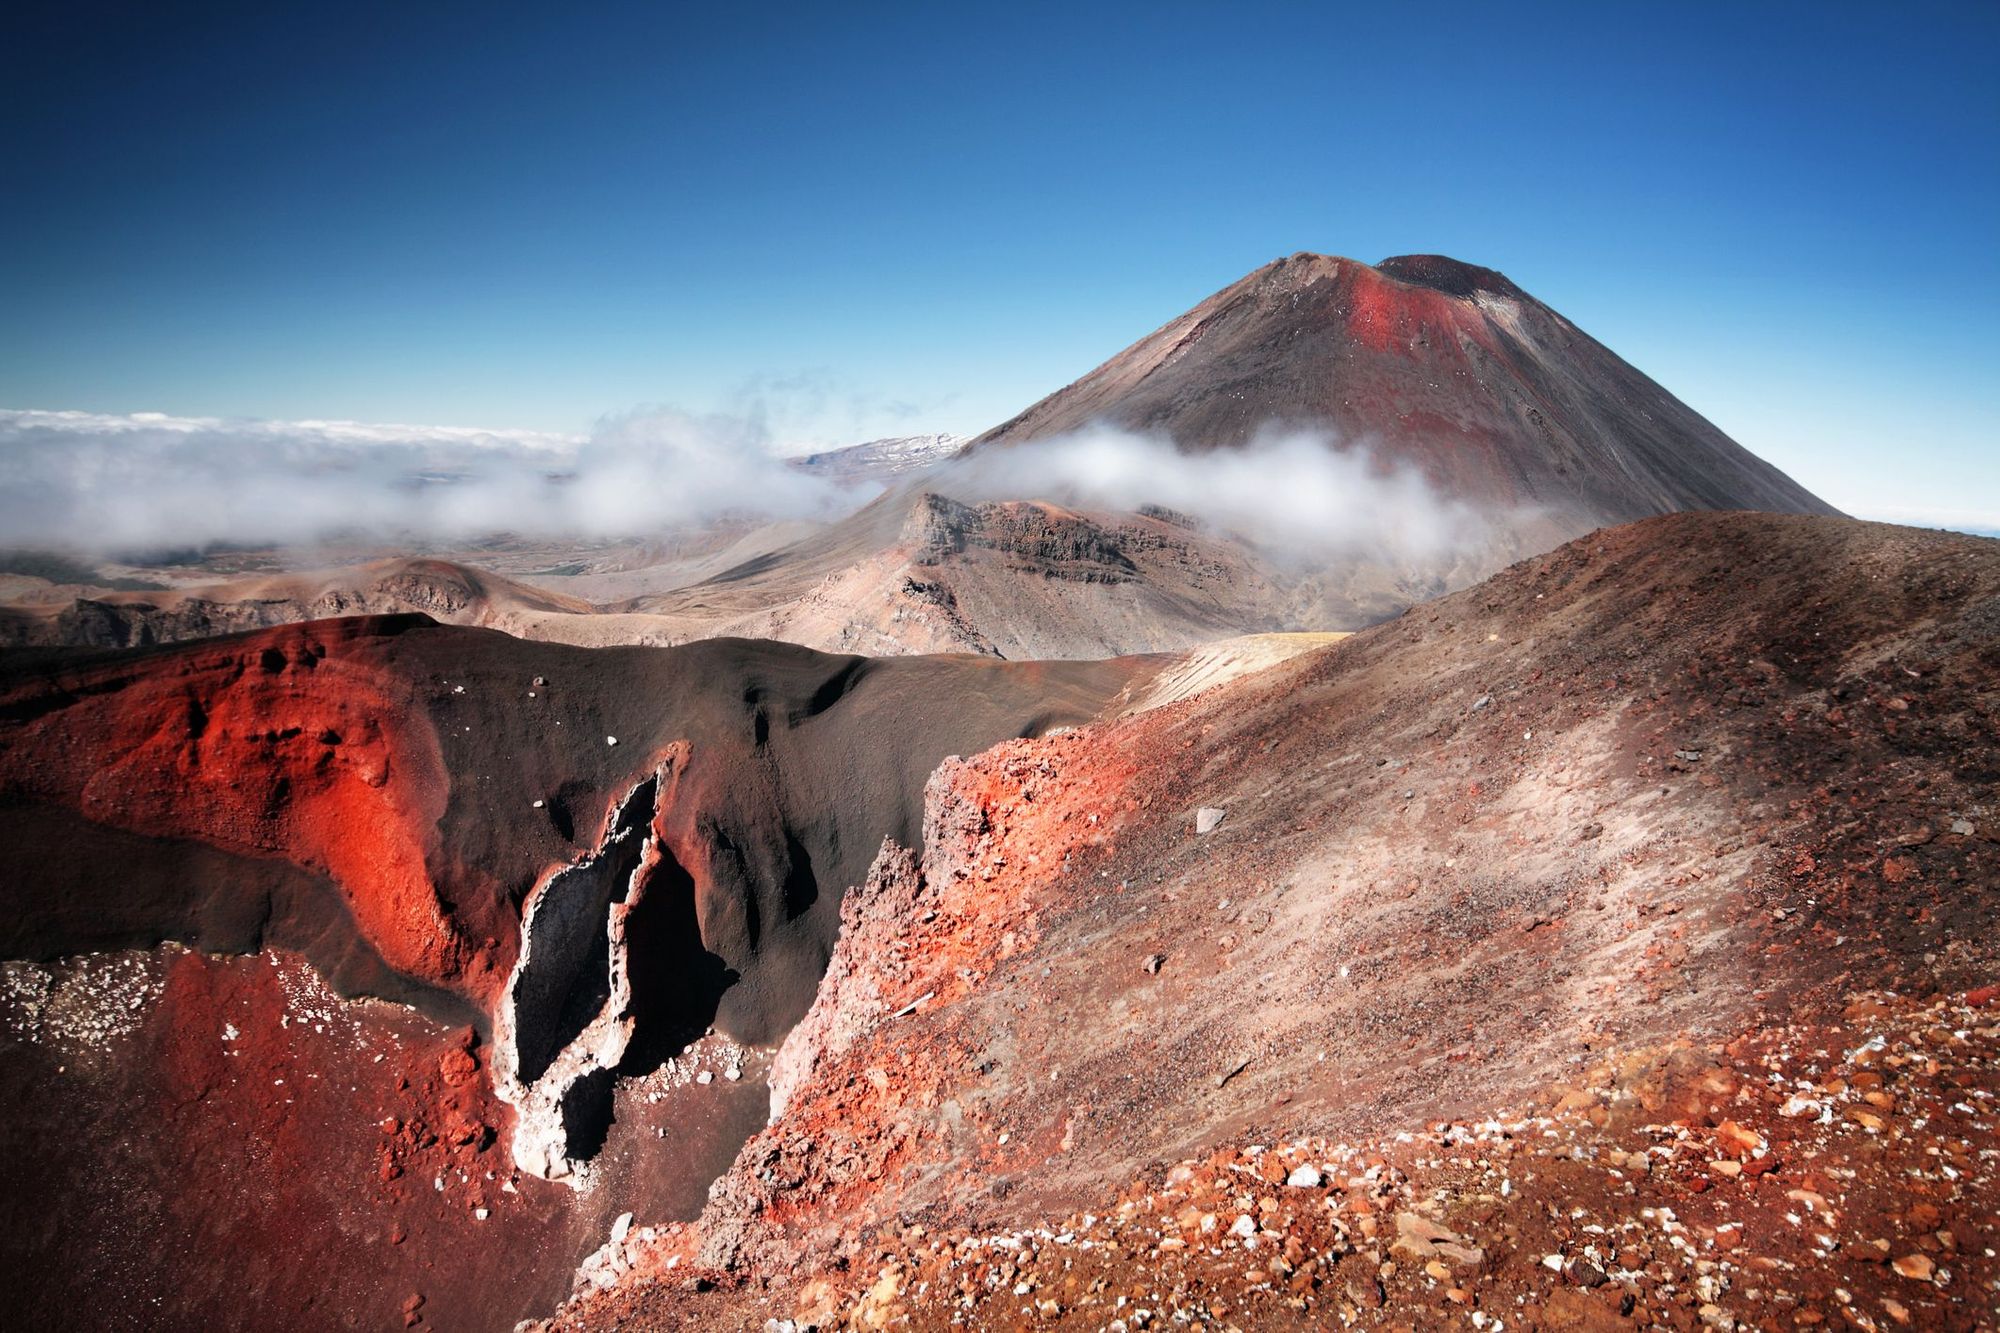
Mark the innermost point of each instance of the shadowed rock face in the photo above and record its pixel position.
(388, 798)
(1498, 399)
(420, 781)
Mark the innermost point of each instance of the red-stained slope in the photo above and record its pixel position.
(1640, 812)
(294, 746)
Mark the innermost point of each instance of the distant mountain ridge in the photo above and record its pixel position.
(877, 460)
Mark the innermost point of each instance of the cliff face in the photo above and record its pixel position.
(1497, 399)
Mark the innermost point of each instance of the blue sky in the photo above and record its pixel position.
(868, 219)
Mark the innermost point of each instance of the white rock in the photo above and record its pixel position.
(1244, 1226)
(1304, 1177)
(704, 1078)
(622, 1225)
(1206, 818)
(611, 740)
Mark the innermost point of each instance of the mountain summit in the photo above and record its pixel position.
(1444, 365)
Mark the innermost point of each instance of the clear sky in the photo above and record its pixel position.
(869, 219)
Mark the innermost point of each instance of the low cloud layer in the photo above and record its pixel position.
(1296, 493)
(146, 482)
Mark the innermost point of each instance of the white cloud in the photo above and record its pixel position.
(1293, 493)
(147, 480)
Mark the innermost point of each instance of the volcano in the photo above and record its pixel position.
(1521, 431)
(1649, 878)
(808, 978)
(1525, 429)
(1446, 366)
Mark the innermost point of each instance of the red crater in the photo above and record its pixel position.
(1391, 315)
(292, 744)
(365, 807)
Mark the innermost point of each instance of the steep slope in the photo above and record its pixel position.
(593, 872)
(1495, 397)
(1539, 952)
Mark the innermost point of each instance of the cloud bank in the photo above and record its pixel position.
(1291, 493)
(147, 482)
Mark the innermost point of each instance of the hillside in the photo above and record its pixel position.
(1650, 879)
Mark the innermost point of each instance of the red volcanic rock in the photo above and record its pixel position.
(385, 791)
(1451, 368)
(382, 796)
(459, 1065)
(285, 745)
